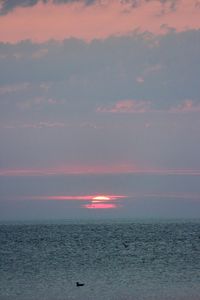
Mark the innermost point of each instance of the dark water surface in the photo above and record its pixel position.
(118, 261)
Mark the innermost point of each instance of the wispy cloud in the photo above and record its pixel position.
(101, 169)
(45, 125)
(51, 124)
(142, 106)
(111, 198)
(38, 102)
(101, 205)
(148, 72)
(186, 106)
(102, 198)
(36, 125)
(8, 89)
(127, 106)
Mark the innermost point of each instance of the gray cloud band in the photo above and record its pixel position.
(8, 5)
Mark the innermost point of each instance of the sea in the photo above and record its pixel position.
(114, 259)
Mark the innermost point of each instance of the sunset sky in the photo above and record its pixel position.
(99, 102)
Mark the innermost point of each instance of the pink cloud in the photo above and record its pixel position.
(99, 201)
(98, 169)
(186, 106)
(140, 79)
(100, 205)
(113, 200)
(127, 106)
(100, 20)
(141, 106)
(74, 197)
(70, 169)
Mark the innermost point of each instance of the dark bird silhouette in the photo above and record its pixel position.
(125, 245)
(79, 284)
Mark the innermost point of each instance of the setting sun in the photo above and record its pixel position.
(101, 198)
(103, 202)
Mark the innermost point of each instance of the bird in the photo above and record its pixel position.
(125, 245)
(79, 284)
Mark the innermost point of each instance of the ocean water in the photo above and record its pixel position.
(115, 260)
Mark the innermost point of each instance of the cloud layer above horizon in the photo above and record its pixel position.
(87, 85)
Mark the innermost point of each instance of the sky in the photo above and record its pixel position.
(99, 109)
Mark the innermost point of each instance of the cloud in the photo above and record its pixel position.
(49, 124)
(127, 106)
(141, 106)
(115, 198)
(152, 124)
(166, 5)
(186, 106)
(44, 20)
(45, 125)
(148, 72)
(38, 102)
(9, 89)
(89, 169)
(75, 78)
(38, 125)
(6, 5)
(140, 80)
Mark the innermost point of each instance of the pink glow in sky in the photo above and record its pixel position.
(112, 198)
(94, 198)
(118, 169)
(100, 205)
(99, 201)
(100, 20)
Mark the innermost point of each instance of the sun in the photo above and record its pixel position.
(103, 201)
(101, 198)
